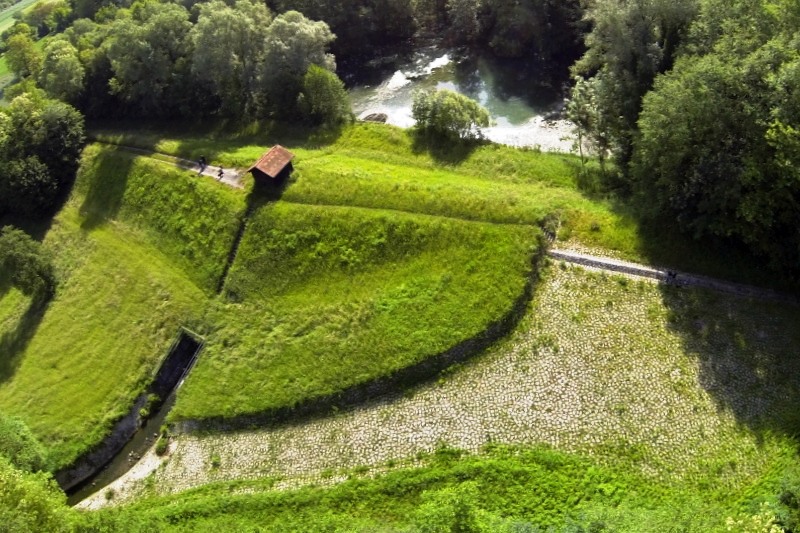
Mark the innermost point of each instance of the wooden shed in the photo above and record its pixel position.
(274, 166)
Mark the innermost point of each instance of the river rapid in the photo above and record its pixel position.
(525, 105)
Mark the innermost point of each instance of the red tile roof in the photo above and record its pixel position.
(273, 162)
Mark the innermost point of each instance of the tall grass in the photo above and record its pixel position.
(502, 490)
(191, 219)
(323, 298)
(117, 309)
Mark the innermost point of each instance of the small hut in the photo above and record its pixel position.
(274, 166)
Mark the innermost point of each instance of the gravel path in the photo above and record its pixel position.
(230, 176)
(674, 277)
(566, 377)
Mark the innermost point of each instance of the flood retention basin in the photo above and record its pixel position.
(374, 390)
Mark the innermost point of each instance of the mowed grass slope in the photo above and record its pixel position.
(379, 166)
(134, 268)
(323, 298)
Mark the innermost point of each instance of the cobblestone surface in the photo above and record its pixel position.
(593, 367)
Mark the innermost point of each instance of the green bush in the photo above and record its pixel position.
(448, 113)
(25, 264)
(19, 445)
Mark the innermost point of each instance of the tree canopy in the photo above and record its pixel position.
(699, 101)
(40, 143)
(448, 113)
(24, 264)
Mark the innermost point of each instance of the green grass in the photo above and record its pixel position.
(322, 298)
(503, 489)
(376, 257)
(139, 248)
(192, 220)
(116, 312)
(375, 165)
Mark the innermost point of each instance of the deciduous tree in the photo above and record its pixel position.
(62, 73)
(323, 98)
(448, 113)
(293, 44)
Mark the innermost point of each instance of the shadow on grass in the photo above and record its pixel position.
(104, 193)
(212, 138)
(747, 354)
(14, 342)
(444, 149)
(261, 194)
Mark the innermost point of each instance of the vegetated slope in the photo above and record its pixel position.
(323, 298)
(376, 165)
(506, 489)
(688, 396)
(191, 219)
(379, 166)
(116, 311)
(119, 243)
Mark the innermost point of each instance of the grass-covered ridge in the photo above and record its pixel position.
(503, 489)
(375, 165)
(138, 247)
(324, 298)
(85, 357)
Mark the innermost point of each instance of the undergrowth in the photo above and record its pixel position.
(503, 489)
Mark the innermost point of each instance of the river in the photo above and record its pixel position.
(525, 105)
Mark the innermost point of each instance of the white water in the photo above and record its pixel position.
(516, 122)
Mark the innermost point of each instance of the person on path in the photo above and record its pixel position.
(202, 163)
(220, 173)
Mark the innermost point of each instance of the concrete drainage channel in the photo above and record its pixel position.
(134, 434)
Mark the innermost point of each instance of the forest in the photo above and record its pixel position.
(687, 111)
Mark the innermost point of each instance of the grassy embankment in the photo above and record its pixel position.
(141, 247)
(323, 298)
(128, 282)
(681, 404)
(374, 165)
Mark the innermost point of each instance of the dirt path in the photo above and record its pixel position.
(674, 277)
(230, 176)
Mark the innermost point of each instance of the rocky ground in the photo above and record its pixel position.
(596, 366)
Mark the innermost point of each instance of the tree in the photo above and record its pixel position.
(149, 54)
(40, 159)
(590, 128)
(324, 99)
(26, 187)
(25, 264)
(629, 44)
(22, 57)
(293, 44)
(229, 49)
(62, 73)
(715, 153)
(362, 27)
(448, 113)
(463, 16)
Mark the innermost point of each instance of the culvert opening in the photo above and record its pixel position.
(132, 436)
